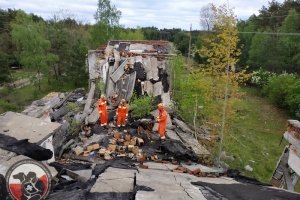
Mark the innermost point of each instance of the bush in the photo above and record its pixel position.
(261, 77)
(293, 98)
(140, 106)
(279, 88)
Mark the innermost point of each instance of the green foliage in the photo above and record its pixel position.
(4, 68)
(7, 106)
(130, 34)
(99, 34)
(33, 47)
(284, 91)
(261, 77)
(278, 88)
(181, 42)
(107, 13)
(140, 106)
(73, 107)
(272, 52)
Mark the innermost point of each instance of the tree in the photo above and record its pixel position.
(222, 80)
(107, 13)
(290, 45)
(32, 45)
(4, 69)
(181, 41)
(99, 34)
(206, 17)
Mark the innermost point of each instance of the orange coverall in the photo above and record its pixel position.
(162, 120)
(102, 108)
(122, 113)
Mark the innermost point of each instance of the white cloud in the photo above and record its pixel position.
(159, 13)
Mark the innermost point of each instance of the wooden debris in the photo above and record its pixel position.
(133, 141)
(78, 150)
(86, 153)
(135, 150)
(130, 147)
(96, 146)
(117, 135)
(112, 147)
(101, 152)
(127, 138)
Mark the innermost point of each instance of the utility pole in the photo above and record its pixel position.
(190, 43)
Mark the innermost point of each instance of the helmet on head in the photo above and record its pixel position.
(160, 105)
(102, 96)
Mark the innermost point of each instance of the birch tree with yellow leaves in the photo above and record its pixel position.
(219, 78)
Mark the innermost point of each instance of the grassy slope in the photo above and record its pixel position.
(255, 135)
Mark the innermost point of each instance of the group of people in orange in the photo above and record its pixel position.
(122, 114)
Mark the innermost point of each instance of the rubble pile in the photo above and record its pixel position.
(90, 161)
(287, 171)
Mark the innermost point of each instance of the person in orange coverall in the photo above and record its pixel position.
(122, 113)
(102, 109)
(162, 120)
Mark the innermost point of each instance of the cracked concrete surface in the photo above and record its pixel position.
(115, 180)
(166, 185)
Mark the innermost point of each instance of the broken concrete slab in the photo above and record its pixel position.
(92, 57)
(138, 59)
(25, 127)
(148, 88)
(166, 99)
(172, 135)
(203, 168)
(94, 139)
(87, 107)
(183, 126)
(160, 166)
(37, 108)
(140, 47)
(189, 140)
(166, 185)
(80, 175)
(157, 88)
(154, 68)
(118, 73)
(115, 180)
(93, 117)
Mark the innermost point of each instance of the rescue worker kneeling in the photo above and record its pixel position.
(102, 109)
(162, 120)
(122, 113)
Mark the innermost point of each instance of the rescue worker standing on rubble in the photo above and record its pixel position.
(162, 121)
(102, 109)
(122, 113)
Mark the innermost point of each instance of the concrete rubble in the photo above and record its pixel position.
(94, 162)
(287, 172)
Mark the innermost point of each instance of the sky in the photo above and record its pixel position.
(158, 13)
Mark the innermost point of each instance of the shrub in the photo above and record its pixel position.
(279, 88)
(261, 77)
(140, 106)
(293, 98)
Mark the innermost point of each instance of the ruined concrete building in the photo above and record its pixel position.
(287, 171)
(88, 161)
